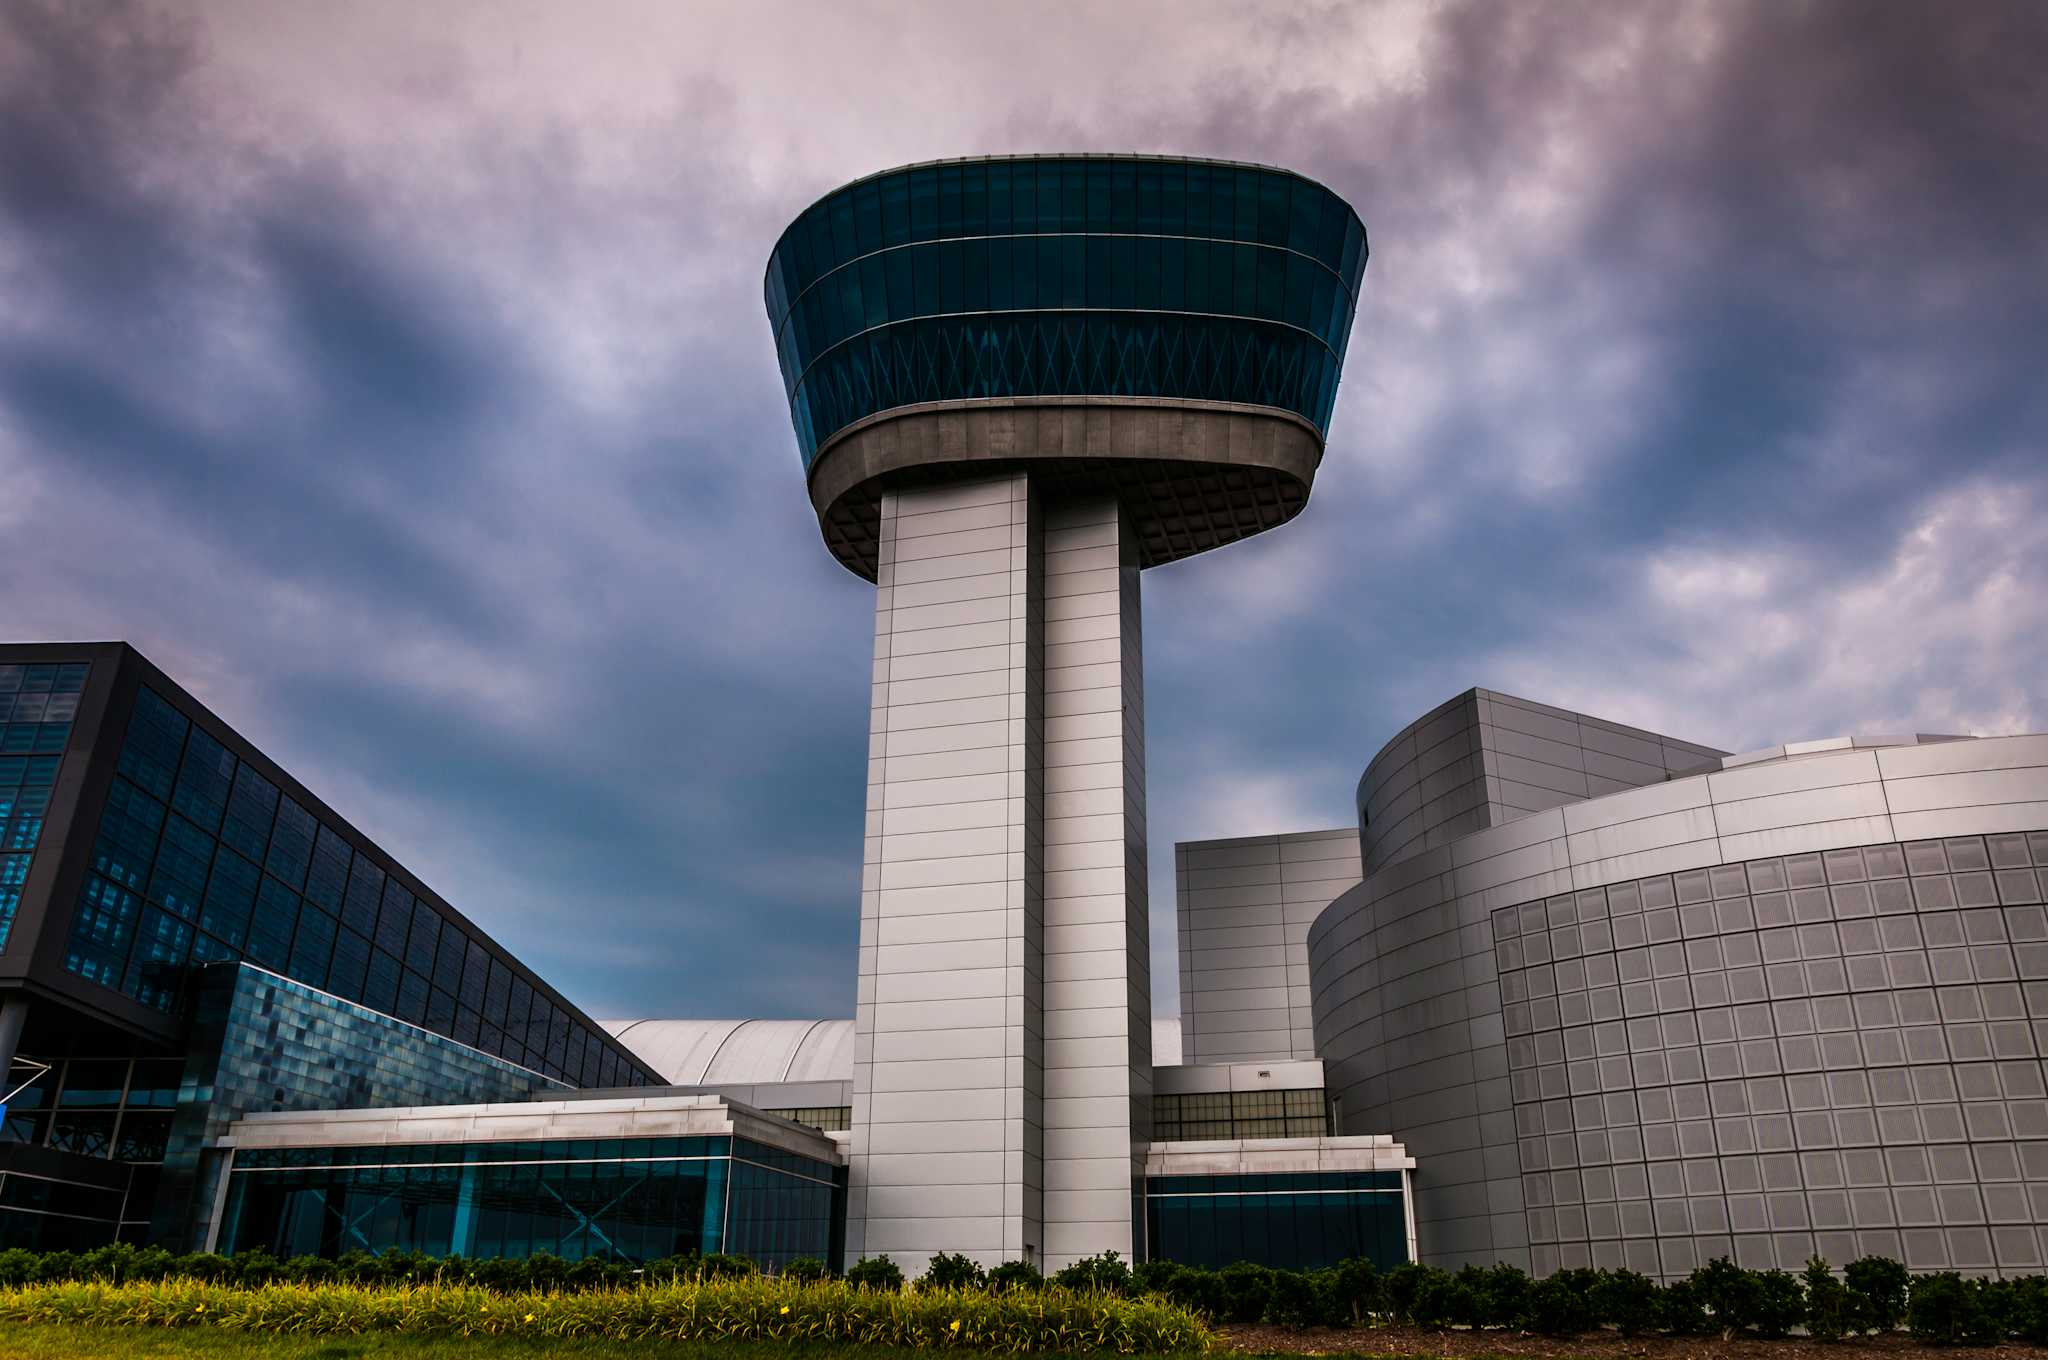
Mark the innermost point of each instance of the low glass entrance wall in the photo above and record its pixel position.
(625, 1199)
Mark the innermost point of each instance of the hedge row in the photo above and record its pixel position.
(747, 1308)
(1872, 1295)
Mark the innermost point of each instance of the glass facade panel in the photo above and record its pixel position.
(199, 857)
(1229, 283)
(255, 1028)
(1291, 1220)
(633, 1200)
(1239, 1114)
(37, 704)
(112, 1109)
(824, 1118)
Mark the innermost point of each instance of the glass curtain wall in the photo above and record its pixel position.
(199, 858)
(1240, 1114)
(37, 704)
(1291, 1220)
(632, 1199)
(1064, 276)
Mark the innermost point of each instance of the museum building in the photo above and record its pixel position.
(1568, 993)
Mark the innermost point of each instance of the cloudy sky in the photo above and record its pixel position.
(395, 376)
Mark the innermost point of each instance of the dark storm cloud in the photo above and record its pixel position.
(408, 397)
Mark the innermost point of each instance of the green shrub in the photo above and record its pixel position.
(878, 1273)
(1107, 1273)
(1830, 1307)
(1503, 1294)
(1399, 1287)
(1291, 1300)
(1626, 1300)
(1015, 1275)
(1780, 1302)
(1562, 1304)
(1682, 1311)
(725, 1266)
(758, 1308)
(1351, 1291)
(1729, 1292)
(952, 1270)
(1198, 1290)
(1442, 1300)
(1155, 1277)
(2028, 1317)
(1880, 1286)
(1944, 1309)
(1243, 1291)
(806, 1268)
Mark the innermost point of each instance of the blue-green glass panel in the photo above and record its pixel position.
(327, 877)
(252, 807)
(155, 742)
(365, 892)
(184, 856)
(125, 849)
(271, 925)
(291, 844)
(230, 898)
(205, 777)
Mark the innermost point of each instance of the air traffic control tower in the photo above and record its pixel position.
(1017, 382)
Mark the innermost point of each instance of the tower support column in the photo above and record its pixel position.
(947, 1148)
(1098, 1021)
(1003, 1058)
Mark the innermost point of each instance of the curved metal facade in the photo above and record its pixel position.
(741, 1052)
(1064, 276)
(1790, 1005)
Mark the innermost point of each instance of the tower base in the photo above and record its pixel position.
(1002, 1079)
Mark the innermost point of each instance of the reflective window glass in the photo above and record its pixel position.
(252, 807)
(205, 776)
(365, 892)
(154, 744)
(291, 844)
(327, 878)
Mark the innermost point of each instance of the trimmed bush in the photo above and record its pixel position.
(1830, 1307)
(1107, 1273)
(1880, 1287)
(1399, 1287)
(1243, 1290)
(1351, 1291)
(1625, 1300)
(806, 1269)
(951, 1270)
(1780, 1303)
(1562, 1304)
(1682, 1311)
(1443, 1300)
(1944, 1309)
(1015, 1275)
(877, 1273)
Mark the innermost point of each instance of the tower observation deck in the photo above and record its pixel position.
(1015, 382)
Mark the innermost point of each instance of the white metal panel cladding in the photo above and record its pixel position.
(1417, 1006)
(947, 1148)
(1243, 911)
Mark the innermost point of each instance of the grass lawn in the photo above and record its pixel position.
(56, 1342)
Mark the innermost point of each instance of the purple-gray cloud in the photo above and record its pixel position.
(396, 378)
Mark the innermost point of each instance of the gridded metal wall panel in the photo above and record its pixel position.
(1831, 1052)
(1483, 1050)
